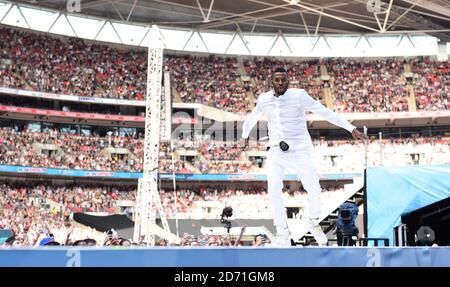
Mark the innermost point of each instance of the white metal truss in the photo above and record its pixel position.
(318, 25)
(213, 18)
(304, 23)
(131, 10)
(403, 14)
(148, 201)
(205, 17)
(237, 42)
(231, 42)
(274, 42)
(319, 12)
(166, 127)
(432, 5)
(387, 15)
(248, 16)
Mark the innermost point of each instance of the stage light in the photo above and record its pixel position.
(425, 236)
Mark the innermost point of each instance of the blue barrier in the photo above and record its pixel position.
(163, 176)
(227, 257)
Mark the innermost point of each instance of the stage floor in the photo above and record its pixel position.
(228, 257)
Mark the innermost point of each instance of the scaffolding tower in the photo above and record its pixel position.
(148, 202)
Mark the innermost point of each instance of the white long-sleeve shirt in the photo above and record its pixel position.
(287, 119)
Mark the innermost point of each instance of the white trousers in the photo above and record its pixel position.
(301, 163)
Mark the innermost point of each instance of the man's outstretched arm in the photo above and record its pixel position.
(317, 108)
(249, 123)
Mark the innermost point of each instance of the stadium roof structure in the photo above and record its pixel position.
(273, 16)
(233, 21)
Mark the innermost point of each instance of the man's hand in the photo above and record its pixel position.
(357, 135)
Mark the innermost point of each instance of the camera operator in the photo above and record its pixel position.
(345, 228)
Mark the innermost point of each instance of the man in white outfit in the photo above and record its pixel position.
(290, 146)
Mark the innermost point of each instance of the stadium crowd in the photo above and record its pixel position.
(209, 80)
(368, 86)
(70, 66)
(53, 148)
(349, 156)
(301, 75)
(41, 214)
(431, 84)
(36, 212)
(361, 85)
